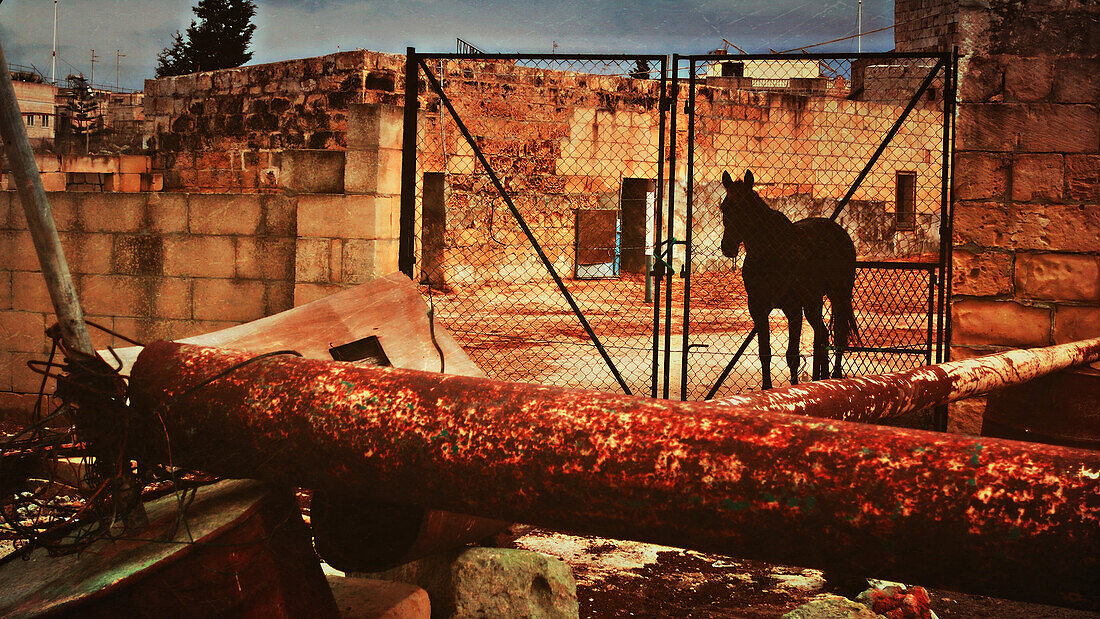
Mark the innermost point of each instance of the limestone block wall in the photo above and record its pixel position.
(1027, 217)
(163, 265)
(224, 130)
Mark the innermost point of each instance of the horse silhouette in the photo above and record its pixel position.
(791, 266)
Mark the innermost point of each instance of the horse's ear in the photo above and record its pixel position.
(727, 180)
(748, 178)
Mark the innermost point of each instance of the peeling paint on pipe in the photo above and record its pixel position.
(873, 398)
(987, 516)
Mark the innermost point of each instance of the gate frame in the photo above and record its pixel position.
(415, 66)
(939, 272)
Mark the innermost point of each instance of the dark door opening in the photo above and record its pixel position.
(434, 224)
(636, 202)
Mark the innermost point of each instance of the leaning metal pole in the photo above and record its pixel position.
(47, 243)
(996, 517)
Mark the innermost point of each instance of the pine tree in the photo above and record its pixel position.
(83, 110)
(174, 60)
(219, 40)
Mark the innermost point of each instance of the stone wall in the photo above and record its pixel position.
(925, 25)
(1027, 217)
(224, 130)
(562, 141)
(161, 265)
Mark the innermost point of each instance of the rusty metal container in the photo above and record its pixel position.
(1058, 409)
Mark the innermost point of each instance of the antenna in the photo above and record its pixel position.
(53, 58)
(118, 54)
(91, 74)
(859, 28)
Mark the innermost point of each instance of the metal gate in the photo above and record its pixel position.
(531, 196)
(561, 213)
(864, 139)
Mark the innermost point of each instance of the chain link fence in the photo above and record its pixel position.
(575, 143)
(822, 136)
(543, 196)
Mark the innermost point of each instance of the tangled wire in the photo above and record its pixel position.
(68, 478)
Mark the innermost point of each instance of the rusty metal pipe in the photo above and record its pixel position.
(873, 398)
(996, 517)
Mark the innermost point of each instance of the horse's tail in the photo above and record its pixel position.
(843, 321)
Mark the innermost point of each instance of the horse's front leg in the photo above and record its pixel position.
(763, 338)
(794, 339)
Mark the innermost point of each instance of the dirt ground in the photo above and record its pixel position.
(629, 579)
(527, 332)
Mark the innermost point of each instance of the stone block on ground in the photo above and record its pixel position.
(829, 606)
(367, 598)
(492, 582)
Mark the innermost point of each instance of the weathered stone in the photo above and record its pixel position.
(1083, 177)
(373, 125)
(1061, 277)
(379, 599)
(1038, 177)
(981, 78)
(313, 171)
(375, 171)
(999, 323)
(829, 606)
(492, 582)
(1075, 80)
(1028, 79)
(965, 416)
(224, 213)
(986, 273)
(981, 223)
(1076, 322)
(1050, 127)
(1055, 227)
(980, 176)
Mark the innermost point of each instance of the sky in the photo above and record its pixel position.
(287, 29)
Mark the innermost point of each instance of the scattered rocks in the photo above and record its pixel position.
(493, 582)
(899, 602)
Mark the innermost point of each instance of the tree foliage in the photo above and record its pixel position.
(83, 107)
(218, 40)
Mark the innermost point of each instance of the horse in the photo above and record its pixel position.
(791, 266)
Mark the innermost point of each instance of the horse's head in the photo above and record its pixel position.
(739, 199)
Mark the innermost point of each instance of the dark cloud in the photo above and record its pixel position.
(300, 28)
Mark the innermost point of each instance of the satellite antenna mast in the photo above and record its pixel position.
(859, 27)
(53, 58)
(91, 74)
(118, 55)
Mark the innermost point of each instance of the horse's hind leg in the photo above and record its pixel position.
(842, 319)
(821, 340)
(794, 332)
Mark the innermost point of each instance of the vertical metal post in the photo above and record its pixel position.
(406, 253)
(47, 243)
(947, 228)
(666, 263)
(685, 273)
(652, 277)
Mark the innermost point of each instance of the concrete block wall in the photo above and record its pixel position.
(1027, 218)
(162, 265)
